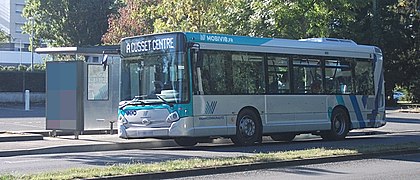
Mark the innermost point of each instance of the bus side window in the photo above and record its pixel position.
(364, 77)
(213, 73)
(338, 76)
(307, 75)
(278, 74)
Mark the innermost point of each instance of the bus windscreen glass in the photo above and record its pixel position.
(155, 77)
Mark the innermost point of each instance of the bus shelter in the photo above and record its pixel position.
(82, 91)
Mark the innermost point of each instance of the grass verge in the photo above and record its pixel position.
(196, 163)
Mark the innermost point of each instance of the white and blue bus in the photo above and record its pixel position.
(192, 87)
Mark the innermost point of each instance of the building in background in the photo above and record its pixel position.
(11, 22)
(15, 52)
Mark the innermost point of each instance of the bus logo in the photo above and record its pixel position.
(131, 112)
(202, 37)
(145, 113)
(210, 107)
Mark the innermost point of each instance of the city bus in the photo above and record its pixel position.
(194, 87)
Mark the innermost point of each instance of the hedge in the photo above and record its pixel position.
(19, 81)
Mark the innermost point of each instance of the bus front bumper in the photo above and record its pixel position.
(182, 127)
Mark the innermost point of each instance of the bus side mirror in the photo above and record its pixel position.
(198, 56)
(105, 56)
(104, 61)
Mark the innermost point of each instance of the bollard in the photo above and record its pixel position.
(112, 127)
(27, 100)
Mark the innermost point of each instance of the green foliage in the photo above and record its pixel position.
(208, 163)
(190, 15)
(10, 68)
(37, 67)
(399, 38)
(392, 25)
(134, 18)
(282, 18)
(22, 67)
(66, 22)
(4, 37)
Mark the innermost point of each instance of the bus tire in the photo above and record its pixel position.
(340, 126)
(248, 128)
(287, 137)
(186, 141)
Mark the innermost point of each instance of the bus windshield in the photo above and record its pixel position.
(158, 77)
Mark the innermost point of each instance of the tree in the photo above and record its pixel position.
(283, 18)
(292, 19)
(68, 22)
(135, 18)
(401, 43)
(190, 15)
(4, 37)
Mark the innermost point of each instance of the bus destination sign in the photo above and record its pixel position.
(149, 44)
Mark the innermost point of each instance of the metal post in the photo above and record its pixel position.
(53, 133)
(112, 127)
(76, 134)
(27, 100)
(20, 50)
(32, 44)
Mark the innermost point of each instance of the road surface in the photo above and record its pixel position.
(385, 168)
(400, 128)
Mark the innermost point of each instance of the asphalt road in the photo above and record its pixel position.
(14, 117)
(400, 128)
(385, 168)
(52, 162)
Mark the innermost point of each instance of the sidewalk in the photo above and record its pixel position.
(67, 144)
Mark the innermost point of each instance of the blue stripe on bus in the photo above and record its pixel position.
(377, 97)
(376, 108)
(225, 39)
(364, 100)
(357, 111)
(340, 100)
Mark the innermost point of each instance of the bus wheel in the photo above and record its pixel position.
(248, 128)
(287, 137)
(185, 141)
(340, 126)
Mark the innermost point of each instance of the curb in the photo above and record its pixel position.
(89, 148)
(11, 137)
(250, 167)
(48, 133)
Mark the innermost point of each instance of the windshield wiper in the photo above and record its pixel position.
(164, 101)
(132, 103)
(135, 101)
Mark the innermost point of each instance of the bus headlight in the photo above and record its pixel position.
(172, 117)
(122, 120)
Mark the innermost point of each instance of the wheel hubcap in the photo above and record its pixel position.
(339, 124)
(247, 126)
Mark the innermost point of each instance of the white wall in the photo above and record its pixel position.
(16, 57)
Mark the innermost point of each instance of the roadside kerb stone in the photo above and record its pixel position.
(11, 137)
(253, 166)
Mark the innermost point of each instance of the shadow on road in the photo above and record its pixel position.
(404, 120)
(13, 110)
